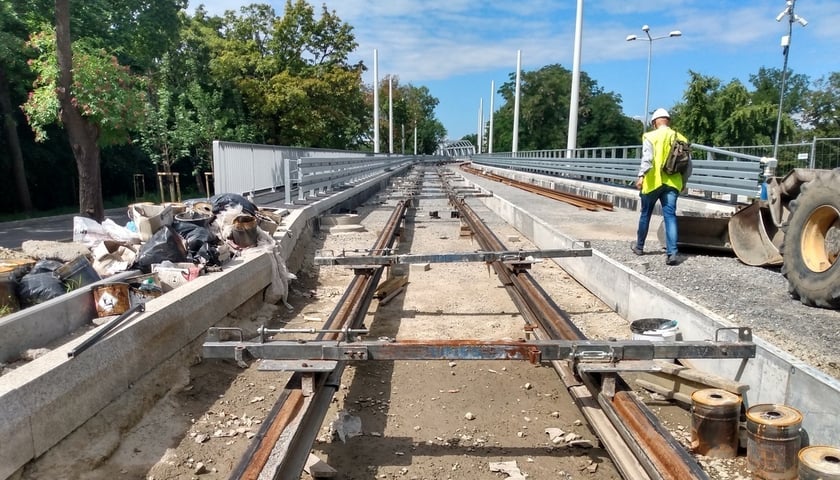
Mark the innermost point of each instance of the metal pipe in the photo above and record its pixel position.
(107, 327)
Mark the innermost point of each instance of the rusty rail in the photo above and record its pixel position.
(641, 447)
(656, 450)
(580, 201)
(283, 442)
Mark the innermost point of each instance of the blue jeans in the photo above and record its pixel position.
(667, 196)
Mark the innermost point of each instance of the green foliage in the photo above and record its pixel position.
(729, 115)
(412, 107)
(544, 106)
(292, 74)
(103, 91)
(767, 83)
(822, 106)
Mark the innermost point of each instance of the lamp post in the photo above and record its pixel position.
(650, 40)
(792, 17)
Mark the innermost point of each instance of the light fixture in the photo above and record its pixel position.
(792, 17)
(650, 40)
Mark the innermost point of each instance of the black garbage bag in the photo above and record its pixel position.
(35, 288)
(223, 200)
(165, 244)
(46, 266)
(201, 243)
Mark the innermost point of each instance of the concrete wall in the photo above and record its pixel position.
(46, 399)
(37, 326)
(774, 376)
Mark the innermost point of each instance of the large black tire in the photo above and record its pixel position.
(812, 243)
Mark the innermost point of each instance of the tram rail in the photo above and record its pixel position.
(586, 203)
(638, 444)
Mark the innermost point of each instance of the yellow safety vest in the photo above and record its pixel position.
(661, 139)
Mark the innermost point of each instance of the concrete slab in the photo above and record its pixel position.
(774, 375)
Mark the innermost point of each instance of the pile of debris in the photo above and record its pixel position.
(167, 244)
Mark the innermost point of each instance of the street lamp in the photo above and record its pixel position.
(650, 40)
(792, 17)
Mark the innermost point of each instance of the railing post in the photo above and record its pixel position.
(301, 195)
(287, 179)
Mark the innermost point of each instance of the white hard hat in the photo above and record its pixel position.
(659, 113)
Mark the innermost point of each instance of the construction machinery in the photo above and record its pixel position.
(795, 225)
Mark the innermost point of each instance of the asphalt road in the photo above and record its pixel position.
(58, 228)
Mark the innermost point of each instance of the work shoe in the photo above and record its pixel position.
(635, 249)
(672, 260)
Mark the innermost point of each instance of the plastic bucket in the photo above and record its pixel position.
(715, 416)
(111, 299)
(654, 329)
(77, 273)
(819, 462)
(244, 233)
(8, 291)
(773, 440)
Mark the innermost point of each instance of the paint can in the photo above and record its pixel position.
(8, 290)
(77, 273)
(244, 233)
(111, 299)
(773, 440)
(715, 418)
(196, 218)
(654, 329)
(819, 462)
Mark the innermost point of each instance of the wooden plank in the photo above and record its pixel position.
(664, 391)
(678, 382)
(390, 285)
(703, 378)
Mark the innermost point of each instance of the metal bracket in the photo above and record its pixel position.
(744, 333)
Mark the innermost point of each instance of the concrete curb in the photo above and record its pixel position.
(46, 399)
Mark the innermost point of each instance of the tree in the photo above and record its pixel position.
(293, 74)
(767, 83)
(92, 96)
(413, 107)
(544, 107)
(12, 62)
(728, 115)
(821, 106)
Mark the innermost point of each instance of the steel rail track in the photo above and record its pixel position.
(659, 454)
(281, 447)
(639, 445)
(586, 203)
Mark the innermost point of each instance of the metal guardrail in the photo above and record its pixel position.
(715, 170)
(321, 175)
(248, 168)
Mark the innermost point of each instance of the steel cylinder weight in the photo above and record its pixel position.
(773, 441)
(714, 422)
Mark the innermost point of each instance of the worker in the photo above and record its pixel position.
(656, 185)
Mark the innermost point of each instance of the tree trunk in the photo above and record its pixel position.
(10, 127)
(82, 134)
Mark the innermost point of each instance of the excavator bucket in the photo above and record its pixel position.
(707, 233)
(755, 238)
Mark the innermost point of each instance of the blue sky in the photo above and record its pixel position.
(457, 47)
